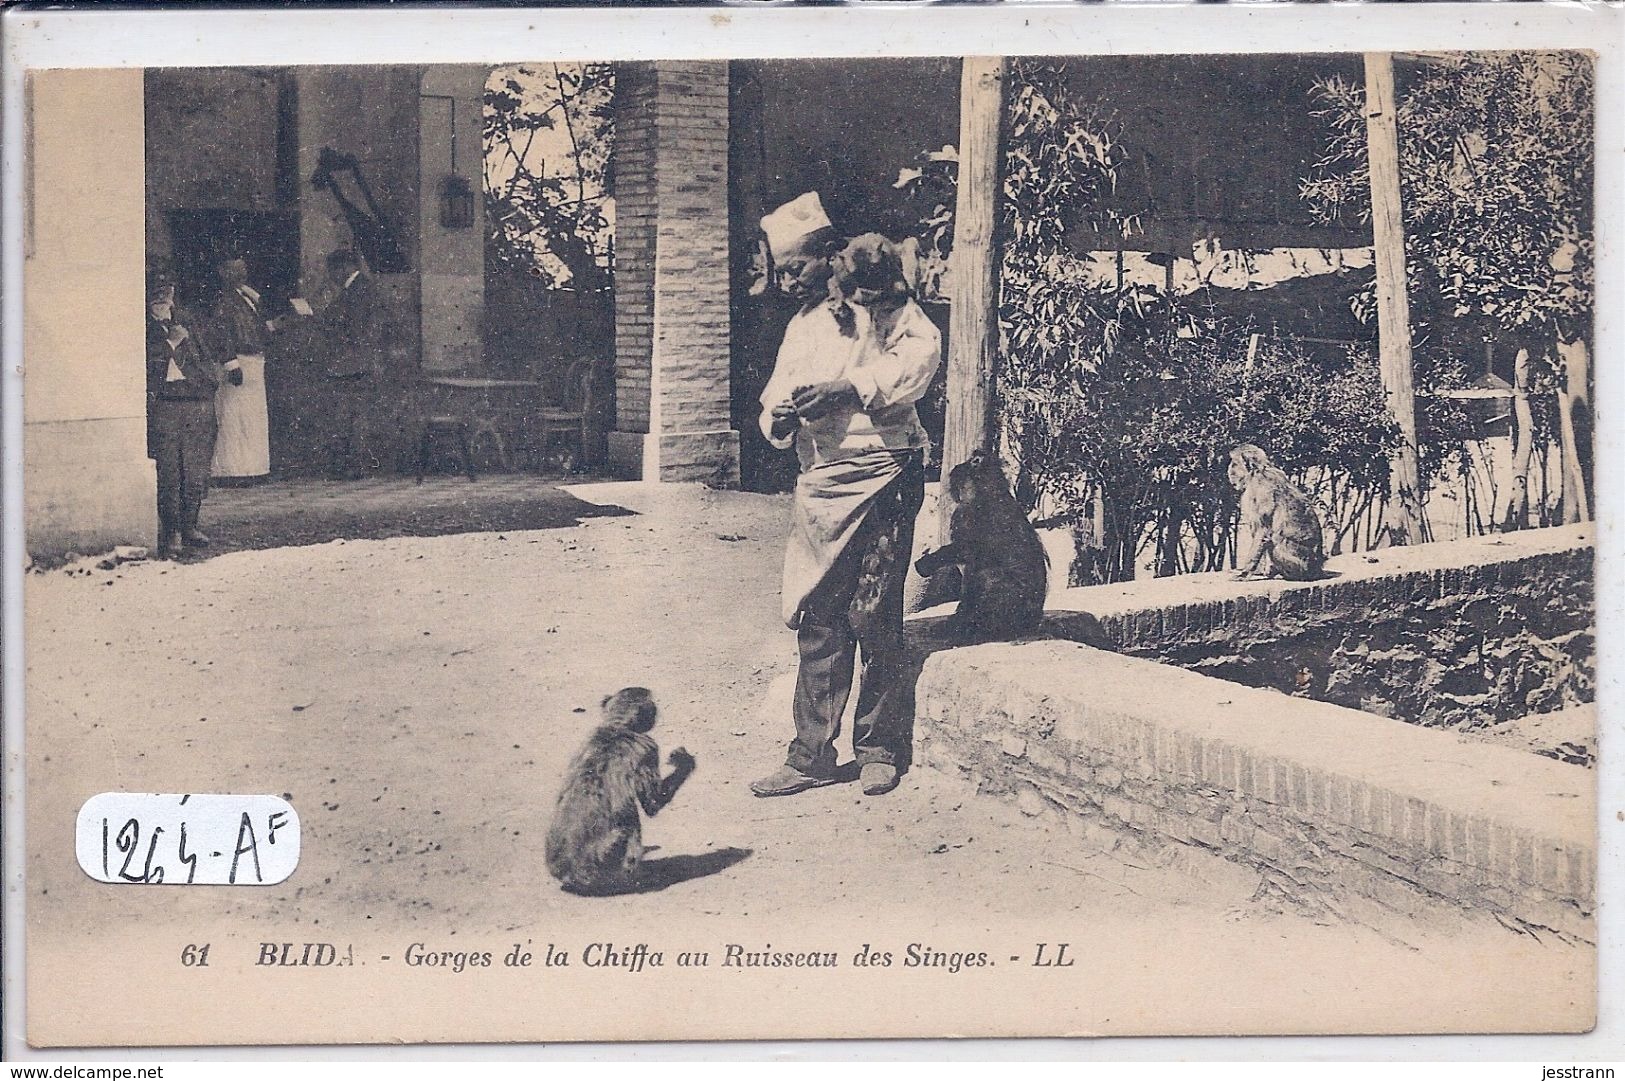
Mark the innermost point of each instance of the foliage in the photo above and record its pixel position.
(1060, 154)
(1133, 399)
(1496, 165)
(1061, 163)
(548, 133)
(1496, 161)
(928, 189)
(1120, 405)
(1145, 425)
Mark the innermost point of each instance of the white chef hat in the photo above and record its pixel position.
(789, 226)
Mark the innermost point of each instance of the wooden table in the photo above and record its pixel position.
(479, 382)
(495, 399)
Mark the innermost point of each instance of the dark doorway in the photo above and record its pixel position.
(841, 128)
(267, 240)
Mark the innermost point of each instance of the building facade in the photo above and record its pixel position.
(188, 160)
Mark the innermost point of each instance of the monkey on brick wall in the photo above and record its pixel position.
(1005, 571)
(1280, 532)
(595, 843)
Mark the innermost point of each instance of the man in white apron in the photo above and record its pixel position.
(242, 449)
(845, 399)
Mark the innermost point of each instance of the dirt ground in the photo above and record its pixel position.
(416, 699)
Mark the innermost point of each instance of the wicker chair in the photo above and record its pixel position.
(572, 415)
(432, 421)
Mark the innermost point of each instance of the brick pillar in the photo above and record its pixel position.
(672, 366)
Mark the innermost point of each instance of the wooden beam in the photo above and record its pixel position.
(1436, 59)
(1575, 363)
(1393, 302)
(973, 324)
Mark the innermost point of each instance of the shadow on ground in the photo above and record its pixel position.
(654, 875)
(284, 514)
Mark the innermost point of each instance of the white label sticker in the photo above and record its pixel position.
(187, 840)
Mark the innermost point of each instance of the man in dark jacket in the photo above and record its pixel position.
(352, 340)
(181, 382)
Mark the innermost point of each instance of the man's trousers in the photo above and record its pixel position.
(857, 611)
(183, 432)
(350, 401)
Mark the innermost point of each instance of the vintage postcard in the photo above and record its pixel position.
(658, 545)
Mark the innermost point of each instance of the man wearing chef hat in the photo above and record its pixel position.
(845, 400)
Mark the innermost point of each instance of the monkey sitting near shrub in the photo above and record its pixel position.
(1004, 569)
(1281, 534)
(595, 843)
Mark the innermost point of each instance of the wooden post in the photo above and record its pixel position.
(1575, 397)
(973, 324)
(1516, 514)
(1393, 303)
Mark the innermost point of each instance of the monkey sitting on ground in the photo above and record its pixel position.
(595, 843)
(1281, 533)
(1004, 569)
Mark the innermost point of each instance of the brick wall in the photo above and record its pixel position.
(1509, 632)
(1323, 800)
(636, 220)
(1150, 616)
(691, 295)
(671, 274)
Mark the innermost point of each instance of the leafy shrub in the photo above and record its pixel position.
(1121, 404)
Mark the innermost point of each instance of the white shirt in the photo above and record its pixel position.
(164, 313)
(890, 375)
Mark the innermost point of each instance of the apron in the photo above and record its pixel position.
(834, 503)
(243, 446)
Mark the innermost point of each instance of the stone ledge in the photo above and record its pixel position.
(1125, 615)
(1312, 793)
(1143, 614)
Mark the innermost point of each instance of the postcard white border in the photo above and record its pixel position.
(113, 38)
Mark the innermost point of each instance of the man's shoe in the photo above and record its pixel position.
(878, 778)
(195, 538)
(788, 780)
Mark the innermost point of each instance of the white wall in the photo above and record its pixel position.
(453, 259)
(88, 481)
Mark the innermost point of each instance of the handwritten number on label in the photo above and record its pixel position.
(149, 838)
(151, 873)
(188, 858)
(127, 836)
(127, 841)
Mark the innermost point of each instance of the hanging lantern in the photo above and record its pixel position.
(456, 191)
(456, 202)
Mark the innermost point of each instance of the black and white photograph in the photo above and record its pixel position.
(809, 547)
